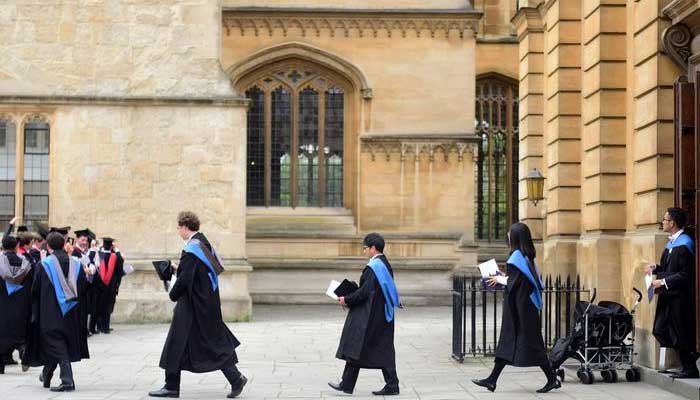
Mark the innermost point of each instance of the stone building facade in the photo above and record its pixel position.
(293, 127)
(597, 118)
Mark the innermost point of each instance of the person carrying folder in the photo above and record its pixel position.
(198, 340)
(367, 340)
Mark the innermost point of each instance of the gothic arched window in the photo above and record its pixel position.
(496, 122)
(296, 127)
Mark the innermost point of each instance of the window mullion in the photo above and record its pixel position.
(509, 154)
(19, 172)
(321, 148)
(267, 112)
(295, 147)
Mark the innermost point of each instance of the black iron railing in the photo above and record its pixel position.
(476, 314)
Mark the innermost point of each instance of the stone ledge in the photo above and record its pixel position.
(350, 263)
(688, 388)
(125, 101)
(393, 12)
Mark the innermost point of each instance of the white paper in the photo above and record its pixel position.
(502, 280)
(489, 268)
(128, 269)
(331, 289)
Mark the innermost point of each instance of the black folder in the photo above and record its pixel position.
(346, 287)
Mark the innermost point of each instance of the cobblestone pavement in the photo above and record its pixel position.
(288, 353)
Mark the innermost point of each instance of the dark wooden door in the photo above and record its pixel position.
(687, 164)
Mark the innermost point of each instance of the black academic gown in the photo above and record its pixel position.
(106, 295)
(15, 310)
(54, 336)
(520, 342)
(367, 339)
(83, 305)
(674, 323)
(198, 339)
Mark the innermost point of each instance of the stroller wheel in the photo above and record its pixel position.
(609, 376)
(587, 377)
(632, 375)
(561, 374)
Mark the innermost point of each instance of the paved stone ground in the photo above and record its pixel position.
(288, 353)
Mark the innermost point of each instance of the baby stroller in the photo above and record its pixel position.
(602, 339)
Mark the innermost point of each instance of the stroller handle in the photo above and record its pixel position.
(639, 294)
(593, 295)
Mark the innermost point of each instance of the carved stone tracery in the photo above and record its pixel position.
(364, 25)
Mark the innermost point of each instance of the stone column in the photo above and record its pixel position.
(650, 167)
(562, 128)
(603, 144)
(528, 23)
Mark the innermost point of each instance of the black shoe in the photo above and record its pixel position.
(63, 388)
(339, 388)
(491, 386)
(685, 375)
(236, 391)
(165, 393)
(46, 380)
(25, 367)
(93, 331)
(387, 391)
(2, 370)
(555, 384)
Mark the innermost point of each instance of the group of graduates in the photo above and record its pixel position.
(55, 292)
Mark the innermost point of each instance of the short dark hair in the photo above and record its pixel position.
(678, 216)
(521, 239)
(56, 241)
(189, 220)
(9, 242)
(374, 239)
(25, 238)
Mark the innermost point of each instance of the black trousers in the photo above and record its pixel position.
(352, 371)
(688, 359)
(66, 371)
(172, 378)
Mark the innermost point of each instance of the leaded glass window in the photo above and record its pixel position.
(36, 171)
(496, 122)
(296, 127)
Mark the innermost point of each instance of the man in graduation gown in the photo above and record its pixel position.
(198, 340)
(106, 283)
(15, 295)
(80, 251)
(55, 292)
(368, 335)
(674, 322)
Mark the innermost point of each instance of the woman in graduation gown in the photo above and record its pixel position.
(520, 343)
(56, 334)
(15, 294)
(198, 340)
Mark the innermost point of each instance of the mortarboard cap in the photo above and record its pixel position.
(22, 228)
(85, 232)
(164, 270)
(107, 242)
(42, 230)
(62, 230)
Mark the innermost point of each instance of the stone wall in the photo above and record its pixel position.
(115, 48)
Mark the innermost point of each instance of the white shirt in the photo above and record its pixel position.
(191, 236)
(375, 256)
(672, 239)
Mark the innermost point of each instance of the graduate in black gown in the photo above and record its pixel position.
(15, 296)
(674, 322)
(55, 314)
(367, 340)
(198, 340)
(106, 283)
(80, 251)
(520, 343)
